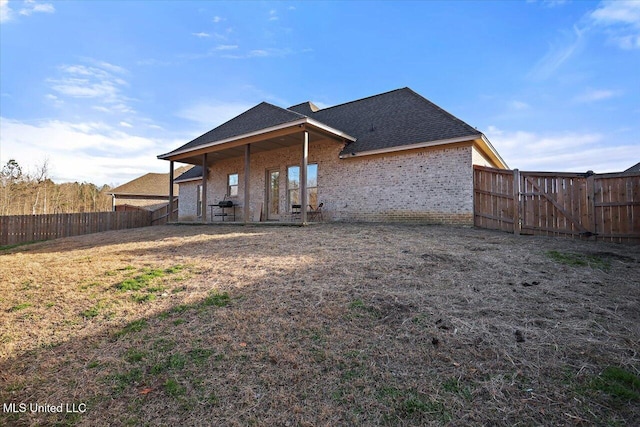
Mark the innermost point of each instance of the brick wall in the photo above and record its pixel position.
(426, 185)
(187, 210)
(433, 185)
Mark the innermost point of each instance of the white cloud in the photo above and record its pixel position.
(107, 66)
(212, 114)
(621, 22)
(596, 95)
(558, 54)
(201, 35)
(627, 42)
(217, 19)
(258, 52)
(88, 151)
(54, 100)
(615, 12)
(83, 88)
(518, 105)
(6, 14)
(227, 47)
(262, 53)
(101, 82)
(33, 7)
(126, 125)
(564, 151)
(29, 7)
(273, 15)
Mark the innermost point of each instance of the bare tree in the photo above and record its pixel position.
(39, 179)
(33, 193)
(11, 174)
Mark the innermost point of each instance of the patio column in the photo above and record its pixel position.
(170, 213)
(205, 178)
(303, 177)
(247, 174)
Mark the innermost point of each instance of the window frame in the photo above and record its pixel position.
(310, 189)
(230, 186)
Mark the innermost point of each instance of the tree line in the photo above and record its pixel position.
(23, 193)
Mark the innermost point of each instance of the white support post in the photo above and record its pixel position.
(303, 177)
(170, 217)
(205, 178)
(247, 174)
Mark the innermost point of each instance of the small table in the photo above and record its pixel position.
(222, 213)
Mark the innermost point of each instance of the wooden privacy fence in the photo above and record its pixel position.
(595, 206)
(17, 229)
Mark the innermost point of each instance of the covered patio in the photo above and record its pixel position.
(265, 129)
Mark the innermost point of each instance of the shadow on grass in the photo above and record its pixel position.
(351, 332)
(140, 235)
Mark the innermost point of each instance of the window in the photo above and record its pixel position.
(199, 201)
(232, 185)
(293, 185)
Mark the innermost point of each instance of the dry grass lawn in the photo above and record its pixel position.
(334, 324)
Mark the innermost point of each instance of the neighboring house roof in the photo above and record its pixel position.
(634, 168)
(389, 121)
(149, 185)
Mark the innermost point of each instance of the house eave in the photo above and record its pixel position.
(181, 181)
(491, 152)
(140, 196)
(469, 138)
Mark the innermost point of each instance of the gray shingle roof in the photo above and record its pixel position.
(306, 108)
(263, 115)
(194, 172)
(391, 119)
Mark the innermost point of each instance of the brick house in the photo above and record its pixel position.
(389, 157)
(147, 192)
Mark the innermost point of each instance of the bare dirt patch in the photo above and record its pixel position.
(327, 325)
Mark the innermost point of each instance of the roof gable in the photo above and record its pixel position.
(306, 108)
(263, 115)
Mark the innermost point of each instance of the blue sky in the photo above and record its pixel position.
(100, 88)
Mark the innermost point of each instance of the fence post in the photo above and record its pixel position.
(592, 224)
(516, 202)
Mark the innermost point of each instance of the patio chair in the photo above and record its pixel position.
(295, 212)
(314, 214)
